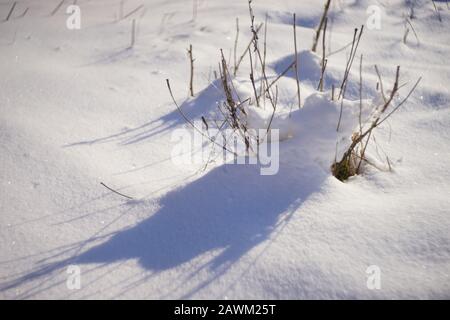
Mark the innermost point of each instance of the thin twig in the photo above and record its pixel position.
(190, 122)
(380, 81)
(322, 73)
(324, 60)
(191, 79)
(274, 110)
(235, 46)
(246, 49)
(339, 50)
(296, 62)
(24, 13)
(360, 94)
(11, 10)
(117, 192)
(405, 36)
(360, 111)
(322, 20)
(133, 33)
(347, 72)
(265, 44)
(258, 53)
(402, 102)
(437, 11)
(280, 75)
(132, 12)
(376, 122)
(57, 8)
(252, 79)
(414, 31)
(350, 60)
(363, 152)
(411, 9)
(389, 163)
(263, 67)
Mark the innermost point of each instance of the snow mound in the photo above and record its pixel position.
(313, 127)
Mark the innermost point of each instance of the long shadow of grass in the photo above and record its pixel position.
(232, 208)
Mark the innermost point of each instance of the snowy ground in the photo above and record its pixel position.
(78, 108)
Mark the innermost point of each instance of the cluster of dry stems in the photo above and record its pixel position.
(234, 114)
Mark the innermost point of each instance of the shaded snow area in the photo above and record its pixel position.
(81, 107)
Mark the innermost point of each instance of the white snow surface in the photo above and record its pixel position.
(78, 107)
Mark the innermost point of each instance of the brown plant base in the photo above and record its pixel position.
(345, 168)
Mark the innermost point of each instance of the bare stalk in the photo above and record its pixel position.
(133, 33)
(405, 35)
(253, 79)
(246, 49)
(322, 20)
(191, 79)
(360, 110)
(11, 10)
(235, 46)
(324, 61)
(264, 45)
(411, 9)
(380, 83)
(437, 11)
(347, 71)
(350, 60)
(296, 62)
(132, 12)
(57, 8)
(263, 66)
(258, 52)
(360, 94)
(401, 103)
(279, 76)
(414, 31)
(274, 110)
(321, 80)
(24, 12)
